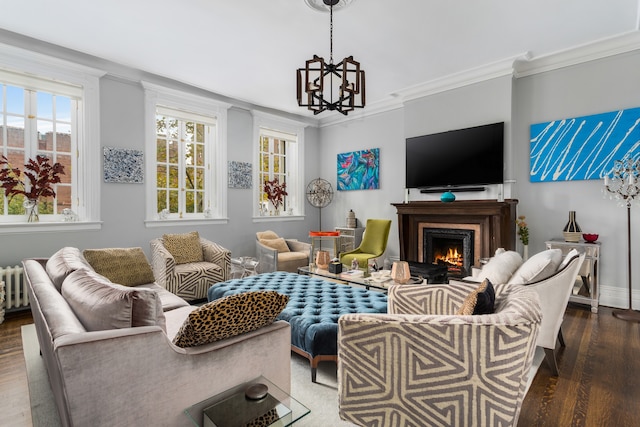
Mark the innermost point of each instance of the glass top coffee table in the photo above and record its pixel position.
(363, 278)
(234, 409)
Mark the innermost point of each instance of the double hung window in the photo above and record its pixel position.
(186, 173)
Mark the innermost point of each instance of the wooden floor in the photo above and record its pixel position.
(599, 382)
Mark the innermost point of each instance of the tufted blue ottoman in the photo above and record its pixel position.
(313, 309)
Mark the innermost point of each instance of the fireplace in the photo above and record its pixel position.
(450, 247)
(488, 225)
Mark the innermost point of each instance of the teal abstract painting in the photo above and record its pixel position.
(583, 148)
(359, 170)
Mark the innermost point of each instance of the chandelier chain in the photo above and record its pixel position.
(331, 35)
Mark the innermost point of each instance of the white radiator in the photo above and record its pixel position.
(16, 295)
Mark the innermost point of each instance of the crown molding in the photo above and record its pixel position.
(599, 49)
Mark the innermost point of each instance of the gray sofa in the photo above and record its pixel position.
(114, 375)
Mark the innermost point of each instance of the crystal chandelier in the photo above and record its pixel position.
(323, 86)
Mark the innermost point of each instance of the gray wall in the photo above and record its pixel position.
(123, 205)
(592, 87)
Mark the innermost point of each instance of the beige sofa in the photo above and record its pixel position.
(135, 375)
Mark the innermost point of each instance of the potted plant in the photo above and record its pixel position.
(275, 192)
(35, 182)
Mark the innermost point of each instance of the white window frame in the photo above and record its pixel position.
(274, 125)
(87, 159)
(160, 96)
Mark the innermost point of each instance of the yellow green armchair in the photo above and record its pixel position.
(373, 245)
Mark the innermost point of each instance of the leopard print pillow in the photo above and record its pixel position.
(230, 316)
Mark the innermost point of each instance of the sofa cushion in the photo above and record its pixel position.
(230, 316)
(540, 266)
(64, 262)
(479, 301)
(266, 235)
(101, 304)
(278, 244)
(124, 266)
(501, 267)
(184, 247)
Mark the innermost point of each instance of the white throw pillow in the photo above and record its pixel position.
(573, 252)
(500, 268)
(540, 266)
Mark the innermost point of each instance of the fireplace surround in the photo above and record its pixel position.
(492, 222)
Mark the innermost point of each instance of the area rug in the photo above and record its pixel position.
(321, 397)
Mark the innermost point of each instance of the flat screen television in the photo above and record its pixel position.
(458, 158)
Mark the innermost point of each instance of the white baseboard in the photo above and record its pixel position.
(618, 297)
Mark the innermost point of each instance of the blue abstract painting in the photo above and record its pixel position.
(359, 170)
(582, 148)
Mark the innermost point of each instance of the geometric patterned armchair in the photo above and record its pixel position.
(189, 273)
(421, 364)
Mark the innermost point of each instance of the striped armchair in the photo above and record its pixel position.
(190, 281)
(421, 364)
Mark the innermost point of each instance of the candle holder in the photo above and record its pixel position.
(621, 184)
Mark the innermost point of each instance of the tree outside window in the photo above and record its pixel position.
(181, 153)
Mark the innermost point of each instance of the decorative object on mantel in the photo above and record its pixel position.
(334, 87)
(523, 232)
(400, 272)
(590, 237)
(621, 183)
(319, 195)
(351, 219)
(40, 175)
(447, 197)
(275, 193)
(572, 231)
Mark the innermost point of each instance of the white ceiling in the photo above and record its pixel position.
(250, 49)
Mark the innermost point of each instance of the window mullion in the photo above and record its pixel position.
(30, 124)
(182, 150)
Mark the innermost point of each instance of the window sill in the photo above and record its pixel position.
(37, 227)
(278, 218)
(153, 223)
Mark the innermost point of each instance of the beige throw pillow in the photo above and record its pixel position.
(266, 235)
(279, 244)
(184, 248)
(124, 266)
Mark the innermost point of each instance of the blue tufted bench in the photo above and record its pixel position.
(313, 309)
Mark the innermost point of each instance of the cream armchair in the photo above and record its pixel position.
(190, 280)
(275, 253)
(421, 364)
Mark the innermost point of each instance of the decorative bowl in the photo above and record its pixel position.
(590, 237)
(571, 236)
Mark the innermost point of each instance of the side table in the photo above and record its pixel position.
(586, 288)
(233, 409)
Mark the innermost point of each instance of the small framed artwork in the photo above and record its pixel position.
(359, 170)
(123, 165)
(240, 174)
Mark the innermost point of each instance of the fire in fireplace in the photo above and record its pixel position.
(451, 247)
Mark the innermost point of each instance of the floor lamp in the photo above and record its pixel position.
(622, 184)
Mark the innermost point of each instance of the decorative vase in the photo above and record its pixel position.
(525, 252)
(400, 272)
(572, 231)
(31, 209)
(322, 260)
(447, 197)
(351, 219)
